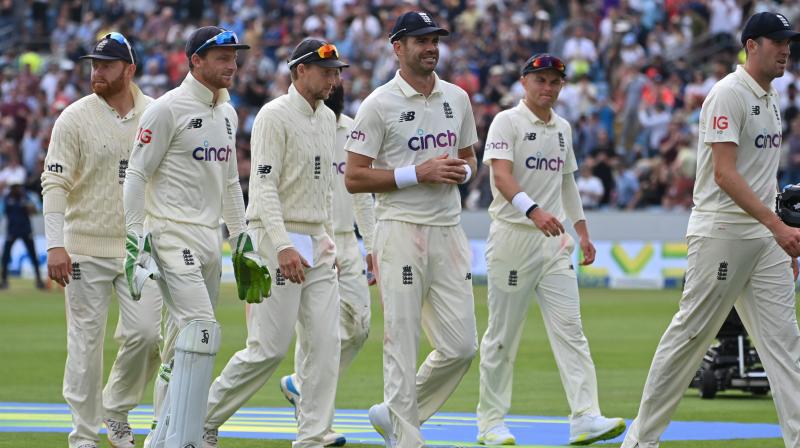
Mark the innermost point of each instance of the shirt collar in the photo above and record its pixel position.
(301, 103)
(751, 83)
(138, 104)
(203, 93)
(409, 91)
(534, 118)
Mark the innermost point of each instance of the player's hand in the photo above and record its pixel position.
(588, 251)
(441, 170)
(795, 269)
(547, 223)
(253, 281)
(59, 265)
(371, 280)
(788, 238)
(292, 265)
(139, 263)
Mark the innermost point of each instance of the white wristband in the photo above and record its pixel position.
(522, 202)
(469, 174)
(405, 176)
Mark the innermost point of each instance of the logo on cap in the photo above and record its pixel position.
(424, 17)
(783, 20)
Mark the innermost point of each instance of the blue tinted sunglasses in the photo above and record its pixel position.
(121, 39)
(223, 38)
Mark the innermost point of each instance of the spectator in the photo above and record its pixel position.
(18, 209)
(589, 187)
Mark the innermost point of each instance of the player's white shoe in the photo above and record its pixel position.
(498, 435)
(210, 438)
(120, 434)
(588, 429)
(290, 391)
(379, 417)
(292, 394)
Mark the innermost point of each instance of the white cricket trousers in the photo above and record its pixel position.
(138, 334)
(424, 278)
(354, 300)
(314, 307)
(354, 304)
(189, 258)
(754, 275)
(521, 260)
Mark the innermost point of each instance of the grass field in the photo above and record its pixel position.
(623, 328)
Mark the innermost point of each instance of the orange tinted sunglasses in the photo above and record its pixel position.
(327, 51)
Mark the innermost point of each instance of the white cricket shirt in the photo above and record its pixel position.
(736, 110)
(398, 126)
(541, 154)
(349, 208)
(186, 151)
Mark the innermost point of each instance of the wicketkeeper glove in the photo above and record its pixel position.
(787, 205)
(253, 280)
(139, 263)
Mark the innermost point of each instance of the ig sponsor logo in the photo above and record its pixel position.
(338, 167)
(144, 136)
(498, 146)
(544, 163)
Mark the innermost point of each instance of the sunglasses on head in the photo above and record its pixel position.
(327, 51)
(546, 61)
(118, 37)
(223, 38)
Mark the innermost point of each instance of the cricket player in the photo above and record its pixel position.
(412, 144)
(85, 230)
(740, 252)
(529, 151)
(182, 178)
(290, 217)
(354, 298)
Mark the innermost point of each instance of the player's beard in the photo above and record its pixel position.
(335, 100)
(110, 87)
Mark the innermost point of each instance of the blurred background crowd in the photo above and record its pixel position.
(638, 72)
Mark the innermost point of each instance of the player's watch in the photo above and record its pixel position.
(530, 210)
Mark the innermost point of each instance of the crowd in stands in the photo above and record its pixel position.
(638, 72)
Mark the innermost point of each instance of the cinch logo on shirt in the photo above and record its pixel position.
(543, 163)
(440, 140)
(212, 154)
(500, 146)
(768, 141)
(358, 136)
(339, 167)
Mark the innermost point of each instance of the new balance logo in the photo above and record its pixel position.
(722, 272)
(205, 337)
(123, 166)
(188, 258)
(755, 110)
(408, 276)
(263, 170)
(76, 271)
(195, 123)
(530, 136)
(280, 280)
(469, 276)
(55, 168)
(407, 116)
(512, 278)
(317, 167)
(448, 111)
